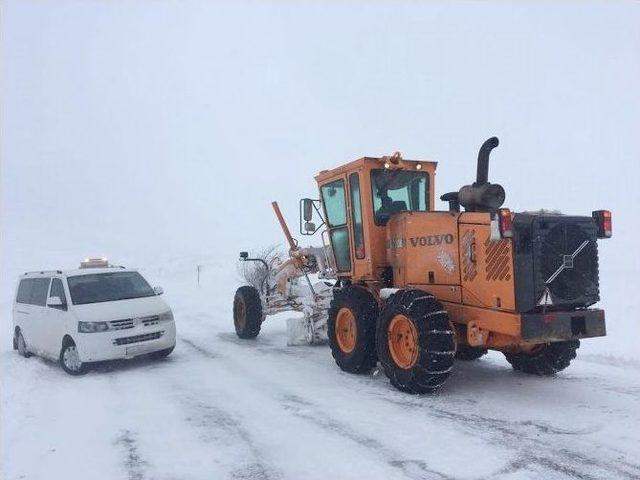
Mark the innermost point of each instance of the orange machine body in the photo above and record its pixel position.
(448, 254)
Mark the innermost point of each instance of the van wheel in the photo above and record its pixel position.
(20, 344)
(70, 360)
(162, 353)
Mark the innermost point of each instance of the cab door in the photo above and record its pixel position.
(334, 200)
(361, 265)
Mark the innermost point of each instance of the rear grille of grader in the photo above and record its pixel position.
(556, 262)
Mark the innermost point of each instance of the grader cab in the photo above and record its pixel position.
(416, 288)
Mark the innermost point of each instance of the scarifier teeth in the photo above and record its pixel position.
(436, 352)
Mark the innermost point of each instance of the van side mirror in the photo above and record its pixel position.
(307, 208)
(158, 290)
(54, 302)
(310, 227)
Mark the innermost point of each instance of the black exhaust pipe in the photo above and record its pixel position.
(482, 176)
(481, 196)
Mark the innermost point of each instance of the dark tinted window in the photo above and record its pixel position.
(396, 191)
(24, 290)
(108, 287)
(57, 290)
(39, 291)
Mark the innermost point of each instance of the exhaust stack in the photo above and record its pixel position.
(482, 175)
(481, 196)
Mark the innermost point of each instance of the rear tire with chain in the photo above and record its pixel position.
(415, 341)
(351, 327)
(247, 312)
(467, 352)
(546, 359)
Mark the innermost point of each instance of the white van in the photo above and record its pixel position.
(89, 315)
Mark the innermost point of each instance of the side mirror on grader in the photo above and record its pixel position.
(415, 288)
(307, 207)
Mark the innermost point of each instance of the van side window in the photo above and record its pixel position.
(39, 291)
(24, 291)
(57, 290)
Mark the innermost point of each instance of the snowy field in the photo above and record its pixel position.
(220, 408)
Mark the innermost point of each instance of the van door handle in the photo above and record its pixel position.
(25, 313)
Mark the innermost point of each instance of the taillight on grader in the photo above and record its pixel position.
(505, 223)
(603, 220)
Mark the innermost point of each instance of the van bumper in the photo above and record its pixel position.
(558, 326)
(122, 344)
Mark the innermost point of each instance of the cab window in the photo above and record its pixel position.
(396, 191)
(335, 206)
(356, 215)
(334, 203)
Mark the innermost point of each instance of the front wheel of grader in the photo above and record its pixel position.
(351, 327)
(247, 312)
(415, 341)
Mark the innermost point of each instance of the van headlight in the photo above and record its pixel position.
(92, 327)
(166, 316)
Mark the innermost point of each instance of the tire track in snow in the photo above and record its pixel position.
(133, 463)
(306, 410)
(531, 451)
(219, 426)
(312, 413)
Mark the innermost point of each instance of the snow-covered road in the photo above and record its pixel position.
(220, 407)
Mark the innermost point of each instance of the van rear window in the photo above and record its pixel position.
(107, 287)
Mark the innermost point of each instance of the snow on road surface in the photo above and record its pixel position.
(224, 408)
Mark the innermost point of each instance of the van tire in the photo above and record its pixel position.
(71, 365)
(20, 344)
(160, 354)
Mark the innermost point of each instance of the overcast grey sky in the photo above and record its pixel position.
(154, 127)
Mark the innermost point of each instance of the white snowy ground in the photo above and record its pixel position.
(222, 408)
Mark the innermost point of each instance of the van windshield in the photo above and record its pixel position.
(107, 287)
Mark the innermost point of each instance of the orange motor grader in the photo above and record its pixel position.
(416, 287)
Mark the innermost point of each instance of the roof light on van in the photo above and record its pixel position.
(100, 262)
